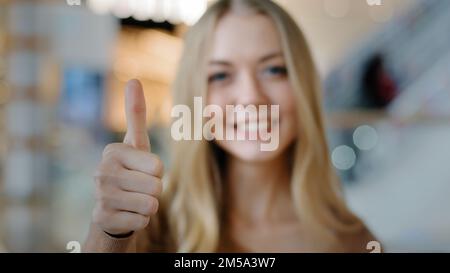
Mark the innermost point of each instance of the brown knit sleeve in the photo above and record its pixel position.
(151, 239)
(98, 241)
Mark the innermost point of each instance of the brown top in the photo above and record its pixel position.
(99, 241)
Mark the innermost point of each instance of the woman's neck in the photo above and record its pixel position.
(259, 192)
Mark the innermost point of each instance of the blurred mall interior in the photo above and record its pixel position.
(63, 66)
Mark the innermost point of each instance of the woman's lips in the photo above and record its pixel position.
(253, 126)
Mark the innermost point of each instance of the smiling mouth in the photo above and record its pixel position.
(253, 126)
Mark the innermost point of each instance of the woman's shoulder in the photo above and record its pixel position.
(358, 241)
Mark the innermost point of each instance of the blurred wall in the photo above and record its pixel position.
(334, 27)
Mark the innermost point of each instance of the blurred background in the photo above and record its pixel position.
(63, 65)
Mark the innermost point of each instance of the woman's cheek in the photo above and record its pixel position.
(284, 97)
(288, 112)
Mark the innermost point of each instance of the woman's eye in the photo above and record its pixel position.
(217, 77)
(276, 70)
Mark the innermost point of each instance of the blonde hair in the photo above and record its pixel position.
(192, 206)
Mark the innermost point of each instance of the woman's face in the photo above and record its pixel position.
(247, 67)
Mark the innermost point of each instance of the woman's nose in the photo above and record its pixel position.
(248, 91)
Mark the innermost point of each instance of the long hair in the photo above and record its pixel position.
(192, 206)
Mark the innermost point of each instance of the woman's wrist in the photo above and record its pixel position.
(120, 236)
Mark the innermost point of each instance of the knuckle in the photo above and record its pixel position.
(158, 166)
(149, 206)
(107, 172)
(157, 188)
(112, 150)
(101, 170)
(100, 179)
(154, 205)
(108, 148)
(101, 187)
(102, 205)
(138, 108)
(103, 202)
(142, 222)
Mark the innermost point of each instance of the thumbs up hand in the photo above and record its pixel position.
(128, 179)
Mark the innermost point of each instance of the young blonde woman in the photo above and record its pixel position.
(224, 195)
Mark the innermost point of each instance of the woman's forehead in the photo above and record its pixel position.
(245, 36)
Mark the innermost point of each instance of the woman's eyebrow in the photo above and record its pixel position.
(270, 56)
(261, 60)
(219, 62)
